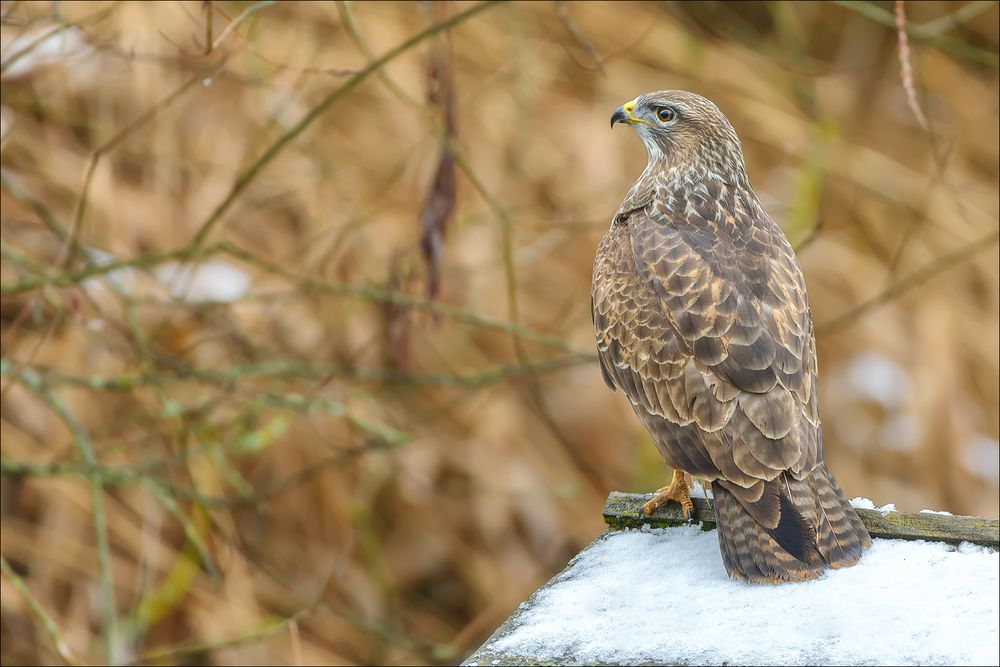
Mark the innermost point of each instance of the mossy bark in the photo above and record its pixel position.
(621, 511)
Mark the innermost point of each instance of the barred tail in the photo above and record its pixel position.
(789, 531)
(841, 536)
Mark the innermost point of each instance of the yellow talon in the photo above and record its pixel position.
(677, 491)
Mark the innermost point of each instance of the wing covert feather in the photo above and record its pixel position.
(702, 321)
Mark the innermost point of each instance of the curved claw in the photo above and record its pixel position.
(677, 492)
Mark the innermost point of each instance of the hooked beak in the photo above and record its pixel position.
(618, 116)
(623, 114)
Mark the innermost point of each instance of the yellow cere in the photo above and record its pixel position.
(628, 108)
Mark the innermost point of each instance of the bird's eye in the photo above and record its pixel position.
(666, 114)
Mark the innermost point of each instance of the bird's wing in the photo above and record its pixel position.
(713, 328)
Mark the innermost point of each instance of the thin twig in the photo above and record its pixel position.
(240, 18)
(190, 531)
(966, 12)
(70, 244)
(50, 219)
(296, 641)
(57, 228)
(93, 18)
(49, 625)
(372, 294)
(121, 135)
(272, 151)
(100, 518)
(304, 282)
(209, 6)
(173, 654)
(126, 477)
(579, 36)
(906, 71)
(347, 19)
(915, 279)
(932, 37)
(595, 475)
(225, 376)
(917, 221)
(29, 283)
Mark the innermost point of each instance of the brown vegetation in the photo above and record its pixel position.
(298, 364)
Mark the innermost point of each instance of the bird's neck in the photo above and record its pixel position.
(663, 173)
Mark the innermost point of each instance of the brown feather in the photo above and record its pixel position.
(702, 320)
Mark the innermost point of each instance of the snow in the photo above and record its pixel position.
(862, 503)
(866, 504)
(698, 491)
(663, 596)
(885, 509)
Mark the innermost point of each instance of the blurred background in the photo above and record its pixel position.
(298, 364)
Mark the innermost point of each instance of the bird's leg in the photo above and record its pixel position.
(677, 491)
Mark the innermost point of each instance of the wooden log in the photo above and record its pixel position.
(622, 511)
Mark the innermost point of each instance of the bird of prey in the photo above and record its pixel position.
(702, 321)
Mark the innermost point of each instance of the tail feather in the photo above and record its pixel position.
(794, 533)
(811, 526)
(842, 537)
(734, 538)
(752, 551)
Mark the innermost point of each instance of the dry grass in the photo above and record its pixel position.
(322, 465)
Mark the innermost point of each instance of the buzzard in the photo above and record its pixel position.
(702, 321)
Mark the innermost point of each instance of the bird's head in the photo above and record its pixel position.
(680, 127)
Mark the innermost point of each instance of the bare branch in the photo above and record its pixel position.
(906, 284)
(906, 71)
(272, 151)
